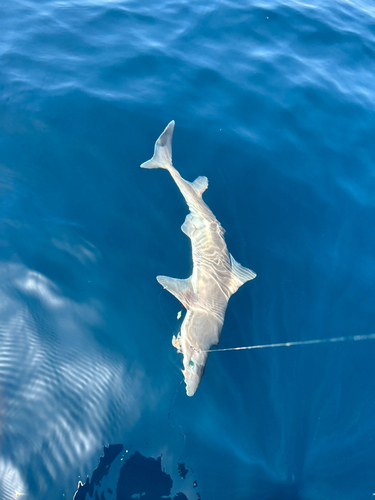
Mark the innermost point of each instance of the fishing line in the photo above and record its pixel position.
(179, 425)
(165, 317)
(353, 338)
(174, 424)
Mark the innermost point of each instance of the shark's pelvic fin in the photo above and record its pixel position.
(200, 184)
(188, 226)
(181, 289)
(163, 150)
(242, 273)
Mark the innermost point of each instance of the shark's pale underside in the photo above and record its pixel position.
(216, 275)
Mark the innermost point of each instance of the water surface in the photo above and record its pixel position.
(274, 103)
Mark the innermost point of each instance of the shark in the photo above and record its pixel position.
(215, 277)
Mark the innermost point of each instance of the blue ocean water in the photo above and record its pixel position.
(274, 103)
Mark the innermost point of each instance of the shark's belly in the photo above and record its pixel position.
(212, 276)
(212, 271)
(211, 262)
(211, 292)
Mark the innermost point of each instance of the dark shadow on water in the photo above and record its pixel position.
(139, 477)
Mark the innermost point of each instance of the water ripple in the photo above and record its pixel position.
(128, 51)
(55, 395)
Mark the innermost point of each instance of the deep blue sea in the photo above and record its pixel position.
(274, 101)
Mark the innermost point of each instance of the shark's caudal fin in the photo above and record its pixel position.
(242, 273)
(163, 150)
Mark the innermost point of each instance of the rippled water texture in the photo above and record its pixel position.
(274, 102)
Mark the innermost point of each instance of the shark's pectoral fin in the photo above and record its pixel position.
(181, 289)
(241, 273)
(200, 184)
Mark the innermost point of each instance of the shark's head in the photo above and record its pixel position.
(199, 331)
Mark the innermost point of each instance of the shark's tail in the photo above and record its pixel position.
(163, 150)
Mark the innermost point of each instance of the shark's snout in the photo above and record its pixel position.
(190, 391)
(194, 363)
(192, 382)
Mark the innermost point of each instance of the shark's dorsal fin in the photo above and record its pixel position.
(200, 184)
(242, 273)
(181, 289)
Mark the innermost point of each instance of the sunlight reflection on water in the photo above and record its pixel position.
(55, 398)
